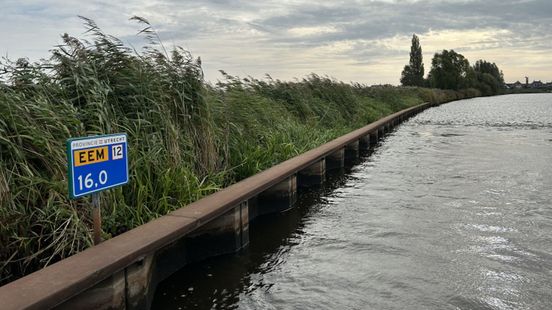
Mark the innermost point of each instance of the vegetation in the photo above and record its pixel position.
(451, 70)
(187, 138)
(413, 73)
(489, 79)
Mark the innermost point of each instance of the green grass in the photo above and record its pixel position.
(187, 138)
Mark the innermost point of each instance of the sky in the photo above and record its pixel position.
(353, 41)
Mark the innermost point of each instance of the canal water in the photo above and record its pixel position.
(453, 210)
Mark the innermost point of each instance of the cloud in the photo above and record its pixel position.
(366, 41)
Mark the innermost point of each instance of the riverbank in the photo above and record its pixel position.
(451, 211)
(187, 138)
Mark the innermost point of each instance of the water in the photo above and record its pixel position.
(452, 211)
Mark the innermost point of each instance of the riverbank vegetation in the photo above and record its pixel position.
(451, 70)
(187, 138)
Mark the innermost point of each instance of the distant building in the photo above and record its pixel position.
(536, 84)
(516, 85)
(533, 85)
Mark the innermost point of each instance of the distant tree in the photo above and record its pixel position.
(482, 66)
(489, 79)
(450, 70)
(413, 73)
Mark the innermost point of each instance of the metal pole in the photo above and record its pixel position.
(97, 218)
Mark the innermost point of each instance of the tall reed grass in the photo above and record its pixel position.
(187, 138)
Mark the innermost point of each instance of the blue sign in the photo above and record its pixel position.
(96, 163)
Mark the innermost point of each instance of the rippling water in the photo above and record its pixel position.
(452, 211)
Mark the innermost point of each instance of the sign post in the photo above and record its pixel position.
(96, 164)
(97, 218)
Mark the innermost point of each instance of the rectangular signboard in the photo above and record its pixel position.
(96, 163)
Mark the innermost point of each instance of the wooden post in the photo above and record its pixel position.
(97, 218)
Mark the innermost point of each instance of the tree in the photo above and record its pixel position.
(413, 73)
(489, 78)
(450, 70)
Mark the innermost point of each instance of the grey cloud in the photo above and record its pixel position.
(374, 20)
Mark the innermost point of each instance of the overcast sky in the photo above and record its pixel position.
(360, 41)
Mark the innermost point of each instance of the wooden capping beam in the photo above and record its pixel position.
(61, 281)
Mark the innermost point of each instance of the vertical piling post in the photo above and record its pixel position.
(374, 137)
(222, 235)
(364, 143)
(313, 175)
(244, 209)
(381, 131)
(278, 198)
(352, 152)
(335, 160)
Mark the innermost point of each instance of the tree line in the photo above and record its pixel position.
(451, 70)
